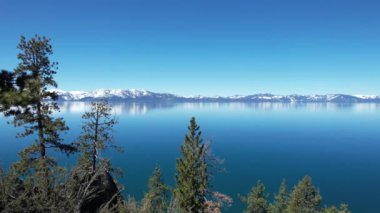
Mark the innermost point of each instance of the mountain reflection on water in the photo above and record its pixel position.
(141, 108)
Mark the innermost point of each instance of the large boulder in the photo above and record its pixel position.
(100, 190)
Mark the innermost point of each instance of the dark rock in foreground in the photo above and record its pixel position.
(101, 190)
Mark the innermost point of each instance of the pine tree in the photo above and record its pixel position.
(3, 196)
(156, 199)
(4, 86)
(6, 89)
(191, 175)
(256, 200)
(96, 133)
(305, 197)
(333, 209)
(31, 104)
(343, 208)
(281, 200)
(6, 81)
(32, 182)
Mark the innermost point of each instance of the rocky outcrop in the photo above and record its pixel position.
(101, 190)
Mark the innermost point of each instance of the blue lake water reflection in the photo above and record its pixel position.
(338, 145)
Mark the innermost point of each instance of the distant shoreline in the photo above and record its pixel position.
(148, 96)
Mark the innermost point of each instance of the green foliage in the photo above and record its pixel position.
(256, 200)
(305, 197)
(91, 183)
(7, 90)
(342, 209)
(192, 177)
(281, 200)
(3, 197)
(29, 101)
(6, 81)
(26, 97)
(31, 195)
(156, 200)
(96, 133)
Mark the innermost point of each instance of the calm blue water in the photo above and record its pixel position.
(338, 145)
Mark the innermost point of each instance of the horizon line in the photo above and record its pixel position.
(254, 93)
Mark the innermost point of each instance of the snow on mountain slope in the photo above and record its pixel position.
(111, 94)
(144, 95)
(367, 96)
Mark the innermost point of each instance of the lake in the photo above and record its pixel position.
(338, 145)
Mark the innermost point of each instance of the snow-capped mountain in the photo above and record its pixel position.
(144, 95)
(114, 95)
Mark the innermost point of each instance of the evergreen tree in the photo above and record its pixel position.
(31, 104)
(96, 133)
(6, 81)
(5, 84)
(3, 196)
(256, 200)
(156, 199)
(343, 208)
(31, 184)
(6, 89)
(281, 200)
(191, 175)
(305, 197)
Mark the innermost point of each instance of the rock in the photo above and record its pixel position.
(101, 190)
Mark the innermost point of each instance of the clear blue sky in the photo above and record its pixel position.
(207, 47)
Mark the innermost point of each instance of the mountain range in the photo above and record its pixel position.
(148, 96)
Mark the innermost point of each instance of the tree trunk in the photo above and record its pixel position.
(41, 131)
(94, 152)
(44, 166)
